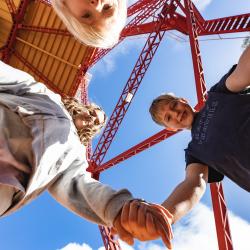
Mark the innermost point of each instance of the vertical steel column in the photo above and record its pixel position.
(219, 204)
(196, 55)
(108, 240)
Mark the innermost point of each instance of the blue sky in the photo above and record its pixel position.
(152, 174)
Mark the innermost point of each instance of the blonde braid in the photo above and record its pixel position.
(74, 107)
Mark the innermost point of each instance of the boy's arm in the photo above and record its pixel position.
(189, 192)
(240, 78)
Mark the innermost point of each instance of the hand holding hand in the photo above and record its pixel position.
(144, 221)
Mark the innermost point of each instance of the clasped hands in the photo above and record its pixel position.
(143, 221)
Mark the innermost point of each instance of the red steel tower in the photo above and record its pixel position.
(29, 38)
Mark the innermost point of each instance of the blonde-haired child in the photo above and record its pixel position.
(96, 23)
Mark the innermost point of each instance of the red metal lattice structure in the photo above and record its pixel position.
(193, 25)
(152, 17)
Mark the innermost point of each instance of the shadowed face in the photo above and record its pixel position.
(97, 118)
(177, 114)
(96, 13)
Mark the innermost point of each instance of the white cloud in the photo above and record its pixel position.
(196, 232)
(76, 246)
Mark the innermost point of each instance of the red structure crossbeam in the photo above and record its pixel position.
(12, 36)
(175, 22)
(137, 6)
(143, 15)
(149, 142)
(129, 91)
(108, 240)
(37, 73)
(232, 24)
(44, 30)
(221, 217)
(219, 204)
(82, 70)
(196, 55)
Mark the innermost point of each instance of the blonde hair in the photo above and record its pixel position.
(104, 38)
(90, 129)
(157, 105)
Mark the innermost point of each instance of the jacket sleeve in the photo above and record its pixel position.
(17, 82)
(99, 203)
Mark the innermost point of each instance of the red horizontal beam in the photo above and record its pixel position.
(231, 24)
(62, 32)
(37, 73)
(151, 141)
(175, 22)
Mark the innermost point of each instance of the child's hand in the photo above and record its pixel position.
(144, 221)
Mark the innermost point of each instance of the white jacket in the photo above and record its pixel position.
(58, 161)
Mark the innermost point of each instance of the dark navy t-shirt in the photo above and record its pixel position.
(221, 135)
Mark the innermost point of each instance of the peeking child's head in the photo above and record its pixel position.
(96, 23)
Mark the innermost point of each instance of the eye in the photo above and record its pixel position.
(107, 7)
(86, 15)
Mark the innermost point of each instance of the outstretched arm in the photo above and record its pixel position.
(188, 193)
(240, 78)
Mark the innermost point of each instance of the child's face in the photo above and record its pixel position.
(96, 118)
(176, 114)
(96, 13)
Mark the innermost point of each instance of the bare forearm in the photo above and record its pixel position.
(184, 197)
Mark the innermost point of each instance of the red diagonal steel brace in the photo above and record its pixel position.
(37, 72)
(219, 204)
(149, 142)
(137, 6)
(130, 89)
(82, 70)
(142, 16)
(175, 22)
(195, 51)
(44, 30)
(107, 237)
(231, 24)
(221, 217)
(12, 36)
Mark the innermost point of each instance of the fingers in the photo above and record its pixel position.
(124, 235)
(162, 217)
(164, 235)
(121, 231)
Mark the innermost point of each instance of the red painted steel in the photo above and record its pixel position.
(44, 30)
(219, 204)
(130, 88)
(108, 239)
(89, 53)
(149, 142)
(12, 36)
(193, 24)
(142, 16)
(232, 24)
(221, 217)
(196, 55)
(37, 73)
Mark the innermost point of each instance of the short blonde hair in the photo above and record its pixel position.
(157, 105)
(104, 38)
(91, 129)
